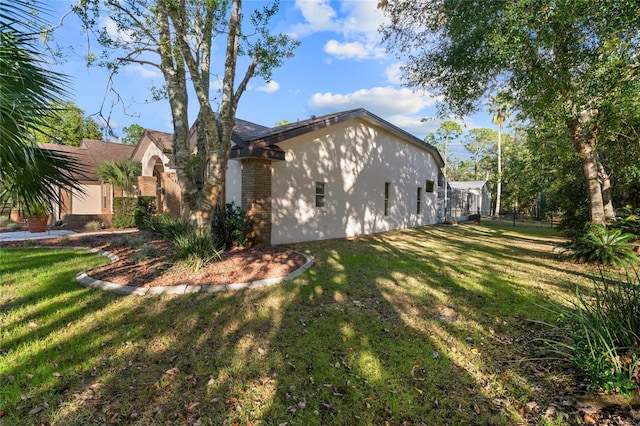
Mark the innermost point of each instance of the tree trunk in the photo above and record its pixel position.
(586, 150)
(609, 212)
(499, 184)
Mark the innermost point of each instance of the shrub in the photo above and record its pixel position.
(601, 333)
(168, 227)
(4, 221)
(94, 225)
(627, 221)
(229, 225)
(145, 209)
(598, 244)
(123, 212)
(195, 249)
(474, 217)
(14, 226)
(64, 240)
(147, 251)
(128, 241)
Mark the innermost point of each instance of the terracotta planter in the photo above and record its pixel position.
(37, 223)
(16, 216)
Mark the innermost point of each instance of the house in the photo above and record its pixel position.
(334, 176)
(467, 198)
(93, 199)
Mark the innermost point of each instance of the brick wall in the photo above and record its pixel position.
(256, 198)
(171, 198)
(147, 185)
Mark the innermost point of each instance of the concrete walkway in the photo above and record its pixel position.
(54, 233)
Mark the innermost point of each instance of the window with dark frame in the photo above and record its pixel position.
(429, 186)
(419, 200)
(104, 195)
(320, 194)
(387, 188)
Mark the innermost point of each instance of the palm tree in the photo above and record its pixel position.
(121, 174)
(30, 175)
(499, 109)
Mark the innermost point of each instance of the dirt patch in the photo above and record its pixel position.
(239, 265)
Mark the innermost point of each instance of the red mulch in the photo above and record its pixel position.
(239, 265)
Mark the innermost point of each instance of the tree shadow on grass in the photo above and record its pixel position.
(382, 329)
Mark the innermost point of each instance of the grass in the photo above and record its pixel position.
(421, 326)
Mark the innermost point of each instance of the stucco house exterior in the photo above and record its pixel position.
(469, 197)
(93, 200)
(338, 175)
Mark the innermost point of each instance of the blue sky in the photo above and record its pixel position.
(340, 65)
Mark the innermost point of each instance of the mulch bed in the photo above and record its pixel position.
(238, 265)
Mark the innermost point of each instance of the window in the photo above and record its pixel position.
(419, 200)
(428, 187)
(320, 195)
(387, 189)
(104, 196)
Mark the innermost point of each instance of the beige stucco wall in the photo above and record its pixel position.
(233, 178)
(89, 202)
(354, 159)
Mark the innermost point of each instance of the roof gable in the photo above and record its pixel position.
(264, 142)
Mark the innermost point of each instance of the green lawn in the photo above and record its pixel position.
(421, 326)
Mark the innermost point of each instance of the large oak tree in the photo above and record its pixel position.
(178, 38)
(567, 58)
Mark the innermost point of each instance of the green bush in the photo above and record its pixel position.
(14, 226)
(123, 212)
(94, 225)
(230, 226)
(195, 249)
(168, 227)
(627, 221)
(598, 244)
(145, 252)
(601, 334)
(145, 209)
(474, 217)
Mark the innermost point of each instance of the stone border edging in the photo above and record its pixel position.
(84, 279)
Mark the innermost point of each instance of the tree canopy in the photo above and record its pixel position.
(132, 134)
(65, 123)
(180, 38)
(571, 61)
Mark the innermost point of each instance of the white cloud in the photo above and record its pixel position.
(357, 21)
(319, 16)
(112, 29)
(143, 71)
(384, 101)
(269, 87)
(355, 50)
(394, 73)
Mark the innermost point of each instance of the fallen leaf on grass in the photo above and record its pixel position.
(32, 324)
(190, 406)
(588, 420)
(233, 400)
(3, 413)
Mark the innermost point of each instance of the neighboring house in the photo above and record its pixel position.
(93, 200)
(335, 176)
(469, 197)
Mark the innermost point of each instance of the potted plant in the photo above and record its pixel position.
(38, 217)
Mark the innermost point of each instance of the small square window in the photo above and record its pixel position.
(320, 194)
(429, 186)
